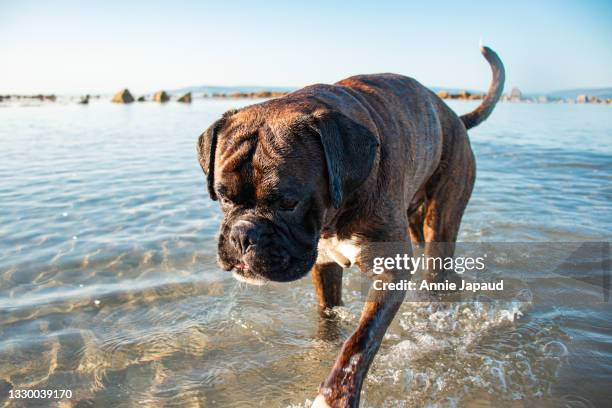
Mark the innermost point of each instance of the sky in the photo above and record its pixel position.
(72, 47)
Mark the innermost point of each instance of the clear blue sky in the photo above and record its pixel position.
(86, 46)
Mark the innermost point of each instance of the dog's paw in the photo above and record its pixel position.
(320, 402)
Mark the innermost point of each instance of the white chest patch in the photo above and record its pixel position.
(343, 252)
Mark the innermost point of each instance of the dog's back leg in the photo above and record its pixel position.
(416, 219)
(448, 194)
(327, 281)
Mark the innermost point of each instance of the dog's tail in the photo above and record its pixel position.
(496, 88)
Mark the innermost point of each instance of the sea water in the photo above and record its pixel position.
(109, 287)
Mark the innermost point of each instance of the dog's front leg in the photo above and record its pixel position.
(343, 385)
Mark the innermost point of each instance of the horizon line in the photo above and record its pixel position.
(294, 88)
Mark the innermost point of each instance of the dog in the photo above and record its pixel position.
(313, 180)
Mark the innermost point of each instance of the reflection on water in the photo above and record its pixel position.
(108, 285)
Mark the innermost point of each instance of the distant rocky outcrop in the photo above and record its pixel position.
(581, 96)
(601, 93)
(123, 96)
(589, 99)
(463, 95)
(40, 97)
(185, 98)
(258, 94)
(460, 95)
(161, 96)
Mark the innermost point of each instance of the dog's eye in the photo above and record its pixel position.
(287, 204)
(225, 201)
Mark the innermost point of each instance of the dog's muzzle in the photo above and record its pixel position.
(258, 252)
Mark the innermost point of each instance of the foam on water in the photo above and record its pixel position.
(443, 352)
(457, 354)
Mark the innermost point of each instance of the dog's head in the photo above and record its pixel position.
(276, 172)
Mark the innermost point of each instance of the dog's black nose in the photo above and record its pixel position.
(243, 235)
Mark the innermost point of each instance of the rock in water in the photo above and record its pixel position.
(594, 99)
(516, 95)
(582, 98)
(464, 95)
(123, 96)
(185, 98)
(84, 100)
(161, 96)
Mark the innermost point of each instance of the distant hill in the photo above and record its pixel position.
(601, 93)
(454, 90)
(209, 89)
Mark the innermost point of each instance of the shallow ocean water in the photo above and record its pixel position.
(109, 288)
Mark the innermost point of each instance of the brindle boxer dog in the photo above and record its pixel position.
(312, 180)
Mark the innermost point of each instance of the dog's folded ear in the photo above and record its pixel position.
(350, 152)
(207, 146)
